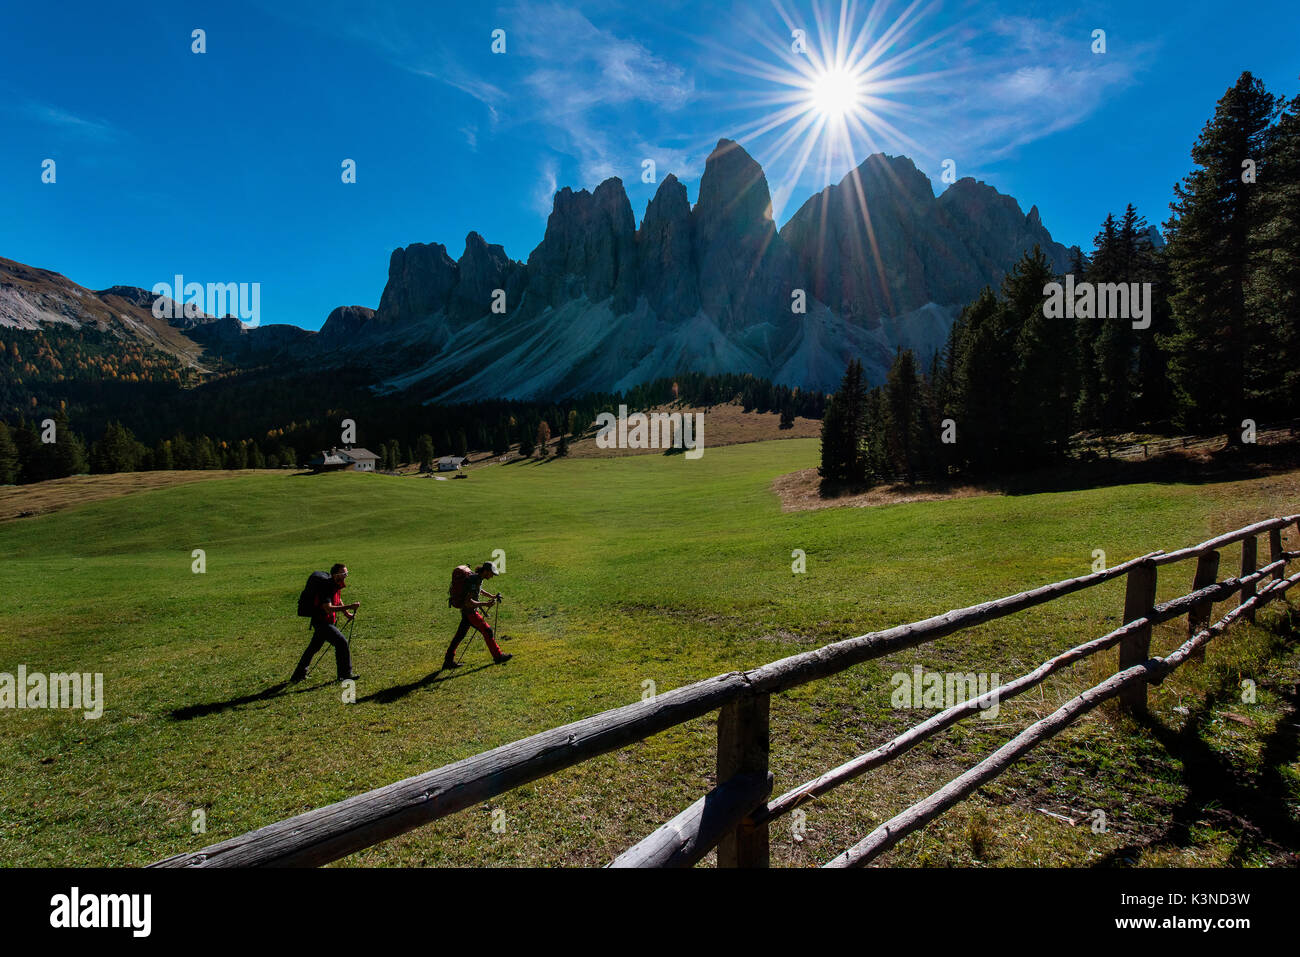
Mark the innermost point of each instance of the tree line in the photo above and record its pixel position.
(1216, 349)
(398, 430)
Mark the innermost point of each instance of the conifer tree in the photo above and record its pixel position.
(902, 414)
(8, 457)
(1273, 285)
(843, 451)
(1208, 253)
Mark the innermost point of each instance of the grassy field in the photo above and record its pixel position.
(618, 572)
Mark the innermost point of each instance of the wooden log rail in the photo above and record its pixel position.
(946, 719)
(924, 811)
(329, 833)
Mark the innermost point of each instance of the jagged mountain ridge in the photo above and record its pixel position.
(601, 304)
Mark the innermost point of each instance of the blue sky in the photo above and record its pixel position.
(225, 166)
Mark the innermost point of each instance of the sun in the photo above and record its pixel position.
(835, 93)
(834, 89)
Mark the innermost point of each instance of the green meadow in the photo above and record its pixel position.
(619, 572)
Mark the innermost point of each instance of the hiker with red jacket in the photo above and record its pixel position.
(466, 589)
(326, 604)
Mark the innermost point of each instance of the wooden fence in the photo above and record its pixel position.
(735, 815)
(1106, 448)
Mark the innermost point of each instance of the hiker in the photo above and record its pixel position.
(466, 587)
(326, 604)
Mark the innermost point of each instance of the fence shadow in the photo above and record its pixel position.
(1253, 805)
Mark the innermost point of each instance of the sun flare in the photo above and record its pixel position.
(835, 94)
(835, 88)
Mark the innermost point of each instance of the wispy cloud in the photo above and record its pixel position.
(71, 122)
(1029, 78)
(563, 75)
(544, 191)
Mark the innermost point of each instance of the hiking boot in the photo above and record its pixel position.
(353, 676)
(295, 678)
(502, 659)
(449, 663)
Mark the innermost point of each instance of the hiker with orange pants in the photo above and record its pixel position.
(464, 593)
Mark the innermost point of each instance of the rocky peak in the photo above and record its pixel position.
(746, 271)
(995, 229)
(420, 280)
(733, 193)
(344, 323)
(589, 248)
(668, 278)
(484, 268)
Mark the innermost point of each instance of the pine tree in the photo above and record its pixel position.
(205, 454)
(901, 416)
(117, 451)
(1101, 267)
(843, 447)
(424, 451)
(980, 384)
(8, 457)
(1040, 414)
(1273, 284)
(543, 437)
(562, 447)
(69, 450)
(1208, 255)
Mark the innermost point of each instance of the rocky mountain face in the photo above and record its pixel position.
(878, 261)
(601, 304)
(31, 298)
(879, 244)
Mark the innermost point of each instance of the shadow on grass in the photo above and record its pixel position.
(397, 692)
(276, 690)
(1233, 464)
(1253, 806)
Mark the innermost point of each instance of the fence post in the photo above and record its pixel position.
(1248, 565)
(743, 749)
(1275, 551)
(1139, 600)
(1207, 573)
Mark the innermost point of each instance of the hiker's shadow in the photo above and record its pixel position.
(274, 691)
(397, 692)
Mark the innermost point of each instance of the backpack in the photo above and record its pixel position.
(459, 582)
(317, 583)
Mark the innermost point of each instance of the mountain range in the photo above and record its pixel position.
(866, 266)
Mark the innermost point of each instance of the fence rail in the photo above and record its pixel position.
(735, 815)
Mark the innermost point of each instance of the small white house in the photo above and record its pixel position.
(450, 463)
(357, 460)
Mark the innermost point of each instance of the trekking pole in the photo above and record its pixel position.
(352, 625)
(464, 646)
